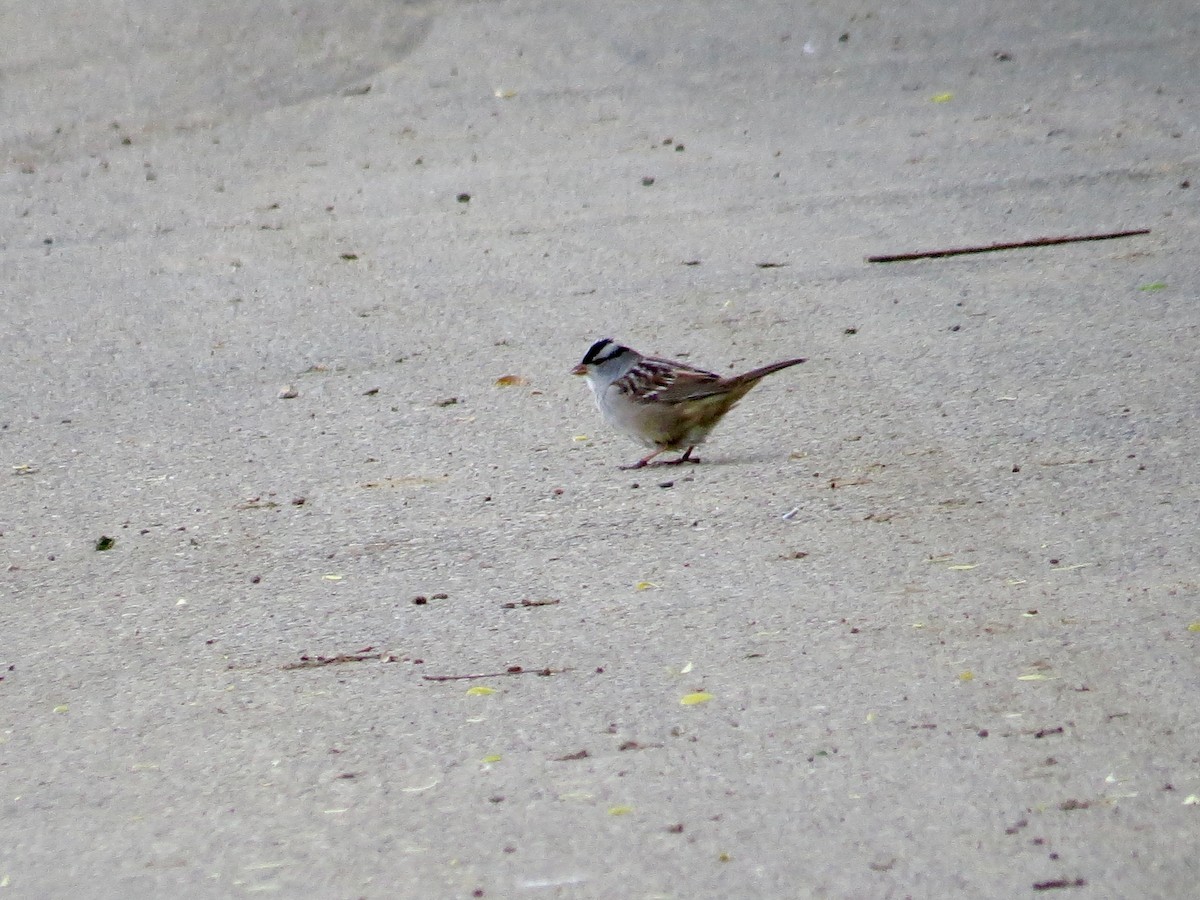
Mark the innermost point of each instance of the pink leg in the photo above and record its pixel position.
(687, 457)
(643, 462)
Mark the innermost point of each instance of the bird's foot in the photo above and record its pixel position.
(645, 460)
(678, 462)
(686, 458)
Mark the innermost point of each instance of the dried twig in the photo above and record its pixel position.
(1058, 883)
(1014, 245)
(511, 670)
(364, 655)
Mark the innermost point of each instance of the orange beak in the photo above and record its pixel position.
(580, 369)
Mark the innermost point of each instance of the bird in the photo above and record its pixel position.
(662, 403)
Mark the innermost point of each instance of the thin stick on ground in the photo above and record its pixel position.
(515, 670)
(1013, 245)
(313, 662)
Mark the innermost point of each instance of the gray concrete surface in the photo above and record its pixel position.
(962, 668)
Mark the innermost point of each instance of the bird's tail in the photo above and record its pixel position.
(764, 371)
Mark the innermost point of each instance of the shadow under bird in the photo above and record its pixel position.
(662, 403)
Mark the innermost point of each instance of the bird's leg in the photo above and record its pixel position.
(687, 457)
(644, 461)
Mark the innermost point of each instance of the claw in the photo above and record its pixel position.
(686, 458)
(645, 460)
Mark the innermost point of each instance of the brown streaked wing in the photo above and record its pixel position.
(664, 381)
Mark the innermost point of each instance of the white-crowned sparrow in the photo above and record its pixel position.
(663, 404)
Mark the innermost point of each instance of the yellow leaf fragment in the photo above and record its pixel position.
(333, 577)
(1194, 626)
(686, 668)
(1113, 798)
(492, 758)
(1033, 676)
(1191, 800)
(695, 698)
(417, 790)
(944, 97)
(511, 381)
(576, 796)
(504, 93)
(645, 585)
(968, 675)
(580, 437)
(265, 867)
(620, 810)
(62, 708)
(480, 690)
